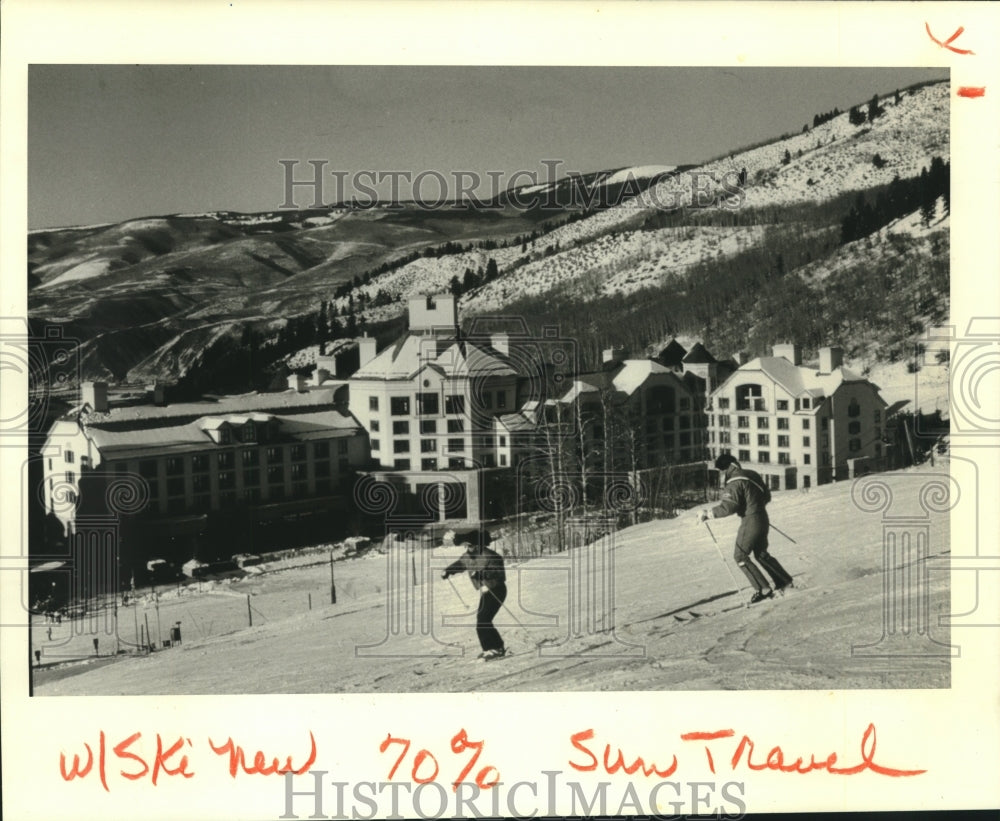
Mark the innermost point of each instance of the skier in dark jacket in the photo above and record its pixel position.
(746, 495)
(485, 568)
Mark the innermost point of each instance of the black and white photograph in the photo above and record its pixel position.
(454, 409)
(443, 321)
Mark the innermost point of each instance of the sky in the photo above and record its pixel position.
(113, 142)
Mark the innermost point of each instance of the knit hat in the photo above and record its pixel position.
(724, 461)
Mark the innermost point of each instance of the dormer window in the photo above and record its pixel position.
(249, 432)
(225, 435)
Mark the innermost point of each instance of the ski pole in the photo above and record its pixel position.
(784, 534)
(457, 593)
(723, 558)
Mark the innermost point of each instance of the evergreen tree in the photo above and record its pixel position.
(873, 109)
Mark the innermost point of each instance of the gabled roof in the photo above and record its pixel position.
(635, 373)
(450, 357)
(673, 354)
(698, 355)
(517, 422)
(799, 380)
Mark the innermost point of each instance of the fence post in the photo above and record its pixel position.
(249, 610)
(333, 586)
(310, 601)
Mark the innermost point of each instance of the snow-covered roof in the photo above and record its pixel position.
(167, 439)
(799, 380)
(243, 403)
(450, 357)
(635, 372)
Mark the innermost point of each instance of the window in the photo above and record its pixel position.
(342, 447)
(824, 423)
(488, 460)
(763, 440)
(400, 445)
(276, 475)
(199, 463)
(854, 409)
(427, 404)
(50, 464)
(743, 421)
(375, 444)
(456, 425)
(723, 421)
(854, 427)
(225, 459)
(782, 423)
(503, 439)
(373, 403)
(807, 459)
(724, 437)
(428, 426)
(69, 457)
(274, 455)
(454, 403)
(399, 406)
(806, 441)
(225, 435)
(501, 399)
(147, 468)
(428, 464)
(321, 450)
(69, 477)
(764, 457)
(784, 459)
(723, 403)
(456, 445)
(321, 469)
(227, 480)
(783, 405)
(298, 453)
(456, 463)
(373, 425)
(298, 472)
(826, 441)
(503, 460)
(400, 428)
(200, 483)
(805, 403)
(428, 445)
(854, 445)
(487, 400)
(805, 424)
(826, 460)
(744, 456)
(783, 442)
(763, 422)
(685, 422)
(744, 439)
(249, 432)
(401, 464)
(251, 477)
(685, 403)
(175, 465)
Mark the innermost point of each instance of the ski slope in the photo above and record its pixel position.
(678, 623)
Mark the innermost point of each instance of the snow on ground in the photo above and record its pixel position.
(679, 625)
(638, 172)
(85, 270)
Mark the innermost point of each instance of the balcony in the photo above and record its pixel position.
(752, 404)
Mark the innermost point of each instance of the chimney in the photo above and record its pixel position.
(95, 394)
(501, 343)
(830, 359)
(366, 350)
(157, 393)
(320, 375)
(615, 354)
(430, 314)
(790, 351)
(297, 381)
(741, 357)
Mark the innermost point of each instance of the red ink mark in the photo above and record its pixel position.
(459, 744)
(708, 737)
(610, 767)
(261, 764)
(102, 762)
(121, 750)
(160, 762)
(971, 91)
(776, 760)
(76, 771)
(947, 43)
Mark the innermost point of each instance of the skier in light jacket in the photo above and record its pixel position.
(746, 494)
(486, 570)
